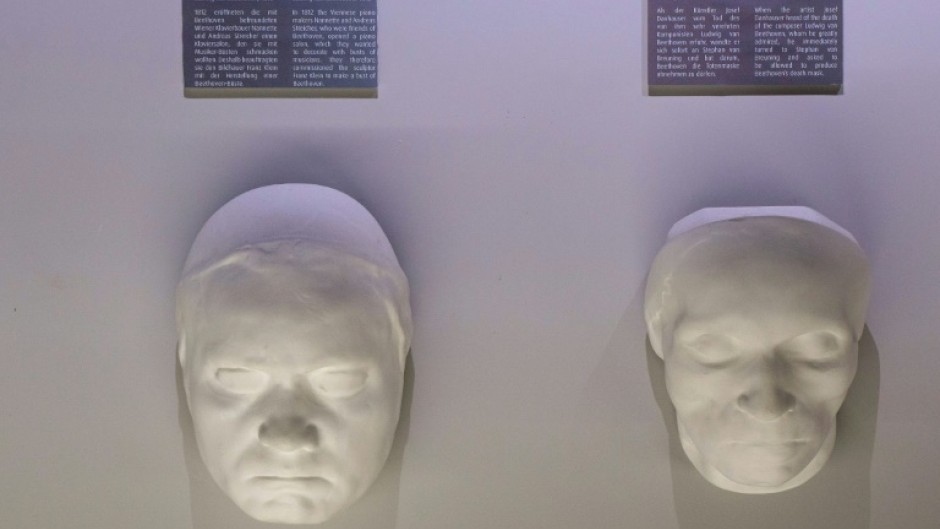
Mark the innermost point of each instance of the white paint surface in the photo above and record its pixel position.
(757, 314)
(294, 327)
(526, 184)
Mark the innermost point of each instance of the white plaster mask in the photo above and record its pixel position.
(757, 316)
(294, 328)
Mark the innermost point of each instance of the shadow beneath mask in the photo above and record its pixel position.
(838, 496)
(378, 507)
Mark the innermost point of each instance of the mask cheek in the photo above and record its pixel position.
(218, 435)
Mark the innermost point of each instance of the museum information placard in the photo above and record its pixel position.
(723, 47)
(280, 48)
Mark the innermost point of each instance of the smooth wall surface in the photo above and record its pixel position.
(526, 183)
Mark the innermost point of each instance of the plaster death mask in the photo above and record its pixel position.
(294, 326)
(757, 314)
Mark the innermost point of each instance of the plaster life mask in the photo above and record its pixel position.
(294, 327)
(757, 314)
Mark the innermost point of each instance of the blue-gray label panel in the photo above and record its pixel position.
(745, 43)
(321, 45)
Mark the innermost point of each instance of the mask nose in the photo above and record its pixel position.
(763, 398)
(289, 434)
(290, 426)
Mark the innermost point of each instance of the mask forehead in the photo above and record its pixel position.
(778, 308)
(248, 321)
(782, 273)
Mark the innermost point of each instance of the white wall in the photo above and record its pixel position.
(526, 183)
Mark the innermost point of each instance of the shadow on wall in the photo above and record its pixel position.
(622, 450)
(378, 508)
(838, 496)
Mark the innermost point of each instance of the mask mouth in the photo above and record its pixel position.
(763, 464)
(798, 426)
(309, 484)
(768, 450)
(767, 443)
(290, 479)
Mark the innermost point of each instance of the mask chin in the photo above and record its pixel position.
(759, 483)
